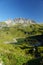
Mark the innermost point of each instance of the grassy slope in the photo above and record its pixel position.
(13, 54)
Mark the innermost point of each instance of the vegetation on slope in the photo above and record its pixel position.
(21, 52)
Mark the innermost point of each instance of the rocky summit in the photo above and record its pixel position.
(23, 21)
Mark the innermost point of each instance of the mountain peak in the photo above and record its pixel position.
(20, 20)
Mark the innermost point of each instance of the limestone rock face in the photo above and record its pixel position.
(19, 21)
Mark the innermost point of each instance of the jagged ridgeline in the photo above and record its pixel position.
(18, 38)
(18, 21)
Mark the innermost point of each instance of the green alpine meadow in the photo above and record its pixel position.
(21, 42)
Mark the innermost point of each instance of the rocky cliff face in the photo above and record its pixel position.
(19, 21)
(24, 21)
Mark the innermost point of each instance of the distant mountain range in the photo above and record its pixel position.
(21, 21)
(25, 21)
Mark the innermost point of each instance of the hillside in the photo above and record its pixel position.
(18, 41)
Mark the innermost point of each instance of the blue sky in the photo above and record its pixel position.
(32, 9)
